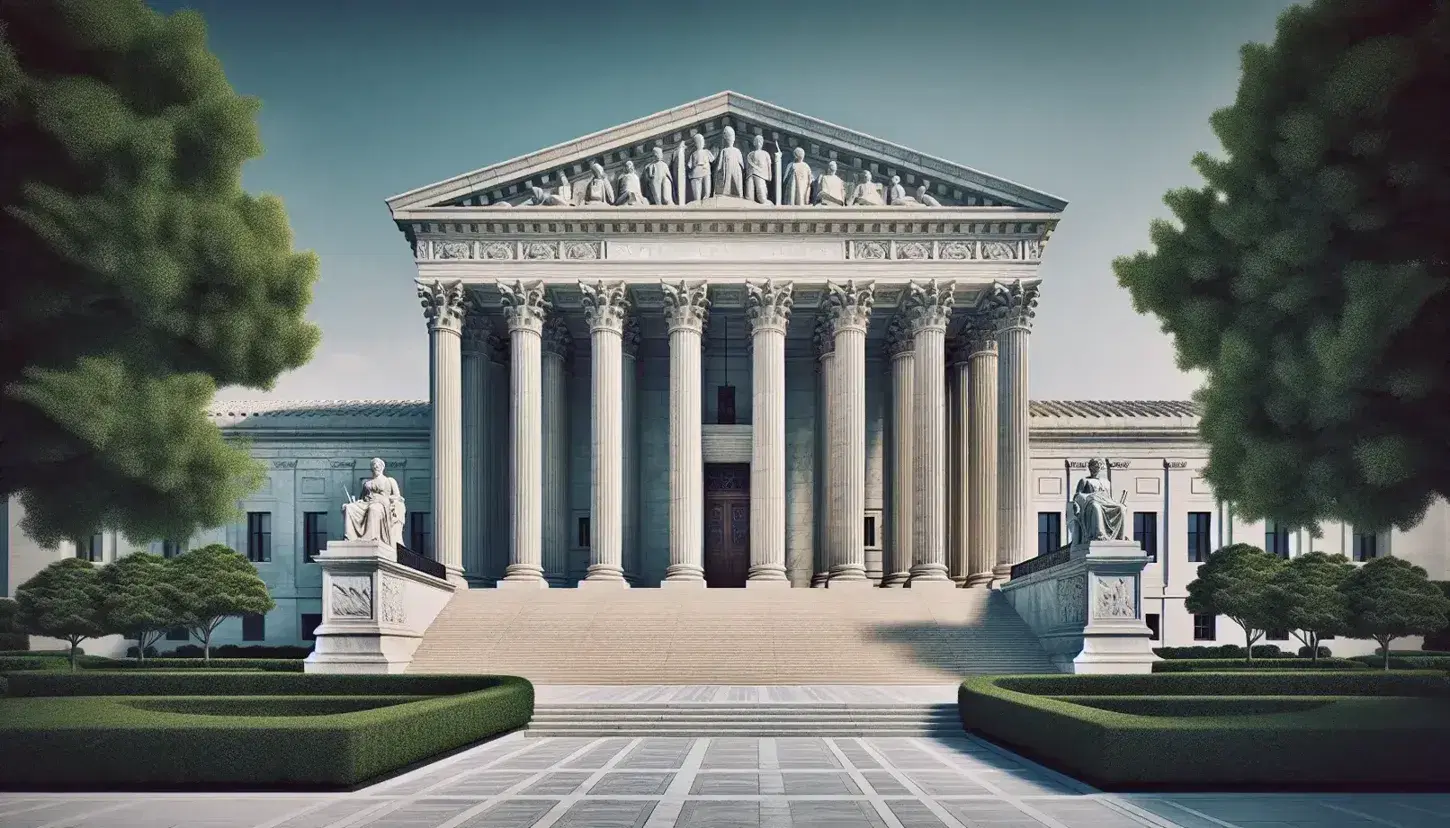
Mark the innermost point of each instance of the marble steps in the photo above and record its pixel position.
(745, 719)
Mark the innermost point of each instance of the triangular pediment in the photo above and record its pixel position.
(513, 182)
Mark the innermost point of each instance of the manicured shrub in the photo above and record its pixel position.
(240, 651)
(12, 638)
(281, 665)
(1243, 683)
(1305, 652)
(36, 662)
(1407, 662)
(1212, 664)
(197, 682)
(1220, 651)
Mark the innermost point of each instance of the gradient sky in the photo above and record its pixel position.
(1102, 103)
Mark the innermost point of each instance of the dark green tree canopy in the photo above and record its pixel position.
(62, 601)
(139, 275)
(1234, 582)
(1391, 598)
(1306, 597)
(135, 600)
(1310, 277)
(206, 586)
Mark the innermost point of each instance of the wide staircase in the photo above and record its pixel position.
(731, 636)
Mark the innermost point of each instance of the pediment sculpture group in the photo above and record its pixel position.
(725, 171)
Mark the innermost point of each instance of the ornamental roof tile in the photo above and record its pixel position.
(1114, 408)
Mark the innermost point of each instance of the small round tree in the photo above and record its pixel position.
(1234, 582)
(62, 601)
(135, 603)
(211, 584)
(1305, 598)
(1391, 598)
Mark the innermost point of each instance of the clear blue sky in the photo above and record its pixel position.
(1101, 102)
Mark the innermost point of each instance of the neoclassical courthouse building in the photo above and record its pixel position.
(734, 344)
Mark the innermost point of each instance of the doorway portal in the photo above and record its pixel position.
(727, 524)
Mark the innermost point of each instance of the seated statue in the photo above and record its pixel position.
(631, 194)
(830, 189)
(598, 190)
(379, 515)
(897, 196)
(1095, 515)
(867, 192)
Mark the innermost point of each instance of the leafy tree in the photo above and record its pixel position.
(139, 275)
(1391, 598)
(1234, 582)
(135, 600)
(62, 601)
(1308, 277)
(1305, 598)
(11, 638)
(211, 584)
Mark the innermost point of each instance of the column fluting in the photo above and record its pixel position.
(1015, 304)
(959, 485)
(980, 345)
(828, 528)
(768, 306)
(476, 331)
(444, 304)
(686, 309)
(525, 309)
(606, 306)
(929, 308)
(630, 412)
(850, 309)
(899, 344)
(558, 351)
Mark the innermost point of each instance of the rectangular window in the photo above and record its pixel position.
(178, 634)
(870, 530)
(1049, 532)
(1276, 538)
(170, 548)
(584, 532)
(725, 405)
(314, 534)
(1145, 532)
(259, 537)
(420, 533)
(1205, 627)
(1154, 625)
(310, 623)
(1199, 542)
(1366, 546)
(254, 627)
(92, 548)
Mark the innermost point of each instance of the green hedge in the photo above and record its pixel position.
(263, 705)
(10, 663)
(1201, 705)
(47, 734)
(277, 665)
(1376, 733)
(1406, 662)
(1216, 664)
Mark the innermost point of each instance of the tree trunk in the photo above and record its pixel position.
(1385, 648)
(206, 646)
(141, 648)
(1314, 648)
(74, 643)
(1248, 643)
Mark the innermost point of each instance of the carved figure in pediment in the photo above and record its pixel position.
(897, 196)
(830, 189)
(563, 195)
(379, 515)
(659, 182)
(867, 193)
(758, 172)
(699, 163)
(732, 167)
(798, 179)
(925, 197)
(630, 193)
(598, 192)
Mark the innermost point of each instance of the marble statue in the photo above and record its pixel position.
(732, 167)
(630, 193)
(830, 189)
(925, 197)
(798, 179)
(598, 190)
(1095, 515)
(659, 182)
(758, 172)
(379, 515)
(564, 193)
(700, 162)
(897, 196)
(867, 193)
(561, 197)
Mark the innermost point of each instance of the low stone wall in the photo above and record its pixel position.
(374, 609)
(1086, 607)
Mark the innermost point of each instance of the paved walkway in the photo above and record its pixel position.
(724, 783)
(745, 694)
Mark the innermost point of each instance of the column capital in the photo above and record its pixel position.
(822, 338)
(849, 305)
(687, 305)
(1013, 305)
(929, 305)
(558, 341)
(978, 337)
(525, 305)
(606, 305)
(444, 304)
(899, 341)
(631, 337)
(768, 305)
(477, 330)
(498, 348)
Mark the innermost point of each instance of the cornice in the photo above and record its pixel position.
(815, 220)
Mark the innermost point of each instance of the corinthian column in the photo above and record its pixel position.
(476, 333)
(686, 306)
(630, 445)
(558, 349)
(929, 308)
(959, 389)
(828, 532)
(444, 304)
(896, 568)
(1016, 304)
(606, 307)
(850, 311)
(979, 342)
(767, 309)
(525, 308)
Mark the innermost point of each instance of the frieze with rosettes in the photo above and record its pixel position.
(899, 250)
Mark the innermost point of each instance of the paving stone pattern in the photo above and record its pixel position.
(652, 782)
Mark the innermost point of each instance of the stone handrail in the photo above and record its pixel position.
(1042, 562)
(427, 566)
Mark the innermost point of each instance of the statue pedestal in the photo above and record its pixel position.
(374, 609)
(1087, 609)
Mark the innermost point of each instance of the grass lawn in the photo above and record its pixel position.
(1318, 730)
(152, 729)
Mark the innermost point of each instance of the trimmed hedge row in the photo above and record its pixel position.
(263, 705)
(1197, 665)
(1406, 662)
(1201, 705)
(284, 651)
(1383, 729)
(45, 736)
(278, 665)
(1236, 651)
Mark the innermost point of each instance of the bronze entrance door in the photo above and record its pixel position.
(727, 524)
